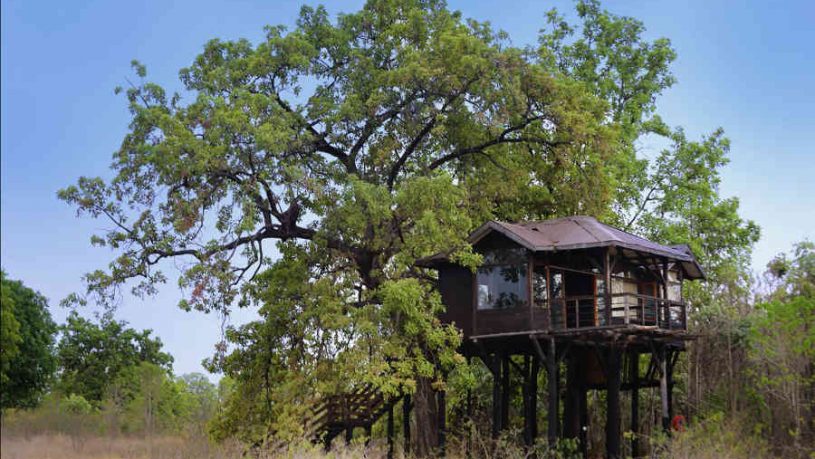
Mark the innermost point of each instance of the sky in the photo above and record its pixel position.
(746, 66)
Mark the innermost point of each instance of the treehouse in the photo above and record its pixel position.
(576, 293)
(566, 275)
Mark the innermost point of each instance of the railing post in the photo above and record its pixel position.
(625, 311)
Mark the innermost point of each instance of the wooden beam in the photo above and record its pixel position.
(613, 403)
(441, 408)
(505, 373)
(663, 389)
(496, 404)
(406, 423)
(571, 410)
(634, 379)
(552, 377)
(390, 431)
(607, 267)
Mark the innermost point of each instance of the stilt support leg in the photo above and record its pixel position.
(613, 403)
(552, 376)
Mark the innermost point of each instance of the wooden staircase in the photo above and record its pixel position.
(345, 412)
(334, 415)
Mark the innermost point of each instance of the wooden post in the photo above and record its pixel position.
(665, 304)
(441, 407)
(607, 272)
(526, 401)
(349, 434)
(663, 388)
(533, 399)
(552, 376)
(584, 420)
(390, 431)
(406, 423)
(613, 403)
(571, 411)
(505, 392)
(496, 399)
(634, 376)
(670, 370)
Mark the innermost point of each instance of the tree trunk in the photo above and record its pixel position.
(426, 417)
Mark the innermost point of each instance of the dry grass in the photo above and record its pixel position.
(60, 446)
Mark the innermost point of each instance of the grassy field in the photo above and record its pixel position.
(58, 446)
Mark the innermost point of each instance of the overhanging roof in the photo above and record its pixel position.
(581, 232)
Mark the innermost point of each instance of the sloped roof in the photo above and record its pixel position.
(582, 232)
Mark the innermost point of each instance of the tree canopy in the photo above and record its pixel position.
(92, 357)
(27, 339)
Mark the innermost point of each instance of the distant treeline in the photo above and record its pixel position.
(87, 376)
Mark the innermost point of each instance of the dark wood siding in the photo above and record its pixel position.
(456, 289)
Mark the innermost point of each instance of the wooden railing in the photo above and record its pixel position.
(588, 311)
(636, 309)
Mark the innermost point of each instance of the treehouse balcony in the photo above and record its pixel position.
(566, 276)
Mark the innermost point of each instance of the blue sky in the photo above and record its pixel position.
(747, 66)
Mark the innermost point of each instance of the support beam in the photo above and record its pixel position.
(613, 381)
(553, 375)
(663, 388)
(505, 369)
(525, 396)
(533, 399)
(634, 377)
(390, 431)
(441, 406)
(584, 421)
(607, 268)
(496, 400)
(406, 423)
(671, 357)
(571, 410)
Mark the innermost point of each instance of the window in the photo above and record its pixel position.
(503, 286)
(539, 289)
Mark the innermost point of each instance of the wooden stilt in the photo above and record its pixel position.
(670, 370)
(571, 410)
(441, 407)
(533, 399)
(496, 401)
(584, 421)
(553, 376)
(634, 378)
(663, 389)
(390, 431)
(505, 392)
(526, 402)
(406, 423)
(613, 403)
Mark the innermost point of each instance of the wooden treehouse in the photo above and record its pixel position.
(576, 293)
(570, 292)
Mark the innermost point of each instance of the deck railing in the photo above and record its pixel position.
(588, 311)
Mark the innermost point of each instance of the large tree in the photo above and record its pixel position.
(28, 362)
(361, 144)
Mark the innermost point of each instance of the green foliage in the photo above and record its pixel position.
(28, 363)
(76, 404)
(95, 357)
(9, 331)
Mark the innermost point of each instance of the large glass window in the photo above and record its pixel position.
(502, 282)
